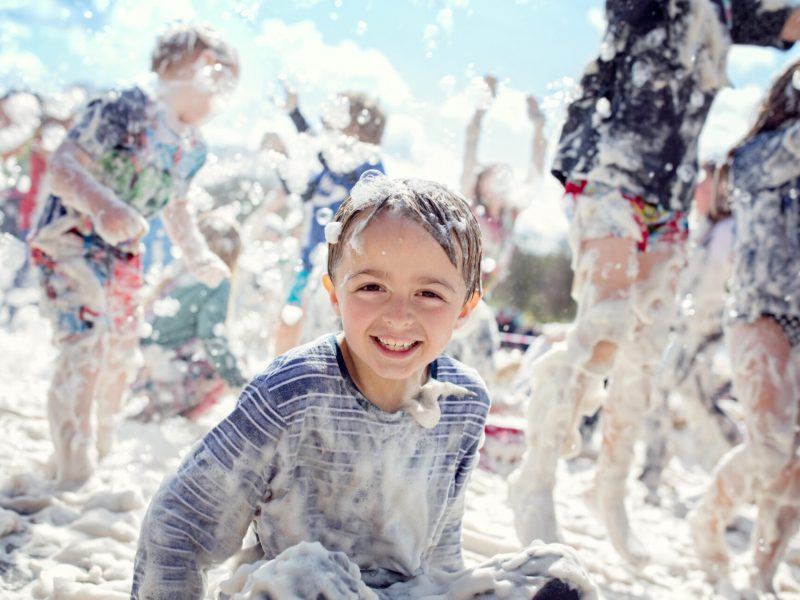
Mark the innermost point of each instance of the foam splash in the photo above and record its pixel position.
(424, 407)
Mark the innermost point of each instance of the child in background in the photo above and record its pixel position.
(128, 157)
(188, 362)
(495, 198)
(353, 128)
(688, 368)
(627, 157)
(763, 335)
(350, 455)
(491, 189)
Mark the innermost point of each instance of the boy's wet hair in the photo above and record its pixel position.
(222, 235)
(368, 116)
(181, 43)
(442, 212)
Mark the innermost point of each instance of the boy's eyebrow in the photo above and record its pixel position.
(425, 280)
(369, 272)
(436, 281)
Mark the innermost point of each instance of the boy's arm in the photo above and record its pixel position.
(198, 517)
(771, 160)
(71, 180)
(183, 231)
(292, 107)
(447, 555)
(539, 144)
(470, 166)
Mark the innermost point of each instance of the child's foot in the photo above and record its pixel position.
(708, 539)
(535, 517)
(609, 509)
(622, 538)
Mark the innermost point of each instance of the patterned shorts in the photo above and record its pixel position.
(103, 284)
(598, 211)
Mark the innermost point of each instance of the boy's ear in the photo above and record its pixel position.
(328, 283)
(468, 307)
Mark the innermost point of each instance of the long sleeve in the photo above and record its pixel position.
(447, 555)
(769, 160)
(299, 121)
(199, 516)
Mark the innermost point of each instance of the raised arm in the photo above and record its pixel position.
(470, 166)
(291, 105)
(71, 180)
(539, 142)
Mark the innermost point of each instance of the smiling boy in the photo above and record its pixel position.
(361, 442)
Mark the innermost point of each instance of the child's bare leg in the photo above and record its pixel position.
(730, 486)
(123, 356)
(777, 522)
(563, 377)
(759, 354)
(69, 406)
(779, 500)
(122, 361)
(629, 394)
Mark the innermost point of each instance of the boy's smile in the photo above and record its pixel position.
(399, 298)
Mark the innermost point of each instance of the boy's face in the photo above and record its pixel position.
(400, 298)
(193, 89)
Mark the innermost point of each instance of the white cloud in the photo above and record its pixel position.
(21, 69)
(300, 52)
(597, 19)
(747, 59)
(731, 115)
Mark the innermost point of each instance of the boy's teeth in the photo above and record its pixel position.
(395, 345)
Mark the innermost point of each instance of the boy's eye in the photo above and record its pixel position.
(370, 287)
(430, 294)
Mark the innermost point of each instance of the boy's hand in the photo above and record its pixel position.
(208, 268)
(491, 82)
(291, 102)
(117, 222)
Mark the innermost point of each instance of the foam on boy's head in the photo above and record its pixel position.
(182, 43)
(444, 214)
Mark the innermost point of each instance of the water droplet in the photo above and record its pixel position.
(324, 215)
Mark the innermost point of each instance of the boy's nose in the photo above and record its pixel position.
(398, 313)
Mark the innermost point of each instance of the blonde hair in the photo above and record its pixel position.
(441, 212)
(222, 235)
(182, 43)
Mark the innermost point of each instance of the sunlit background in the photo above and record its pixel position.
(420, 57)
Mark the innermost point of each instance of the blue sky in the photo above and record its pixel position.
(420, 57)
